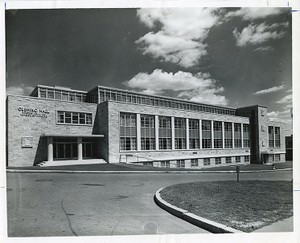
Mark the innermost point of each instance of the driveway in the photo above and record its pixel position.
(51, 204)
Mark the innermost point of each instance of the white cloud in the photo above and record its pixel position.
(20, 90)
(172, 49)
(269, 90)
(257, 34)
(286, 99)
(280, 115)
(199, 87)
(264, 48)
(159, 80)
(208, 96)
(254, 13)
(179, 36)
(289, 90)
(152, 92)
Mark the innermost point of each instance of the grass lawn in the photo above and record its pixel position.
(244, 205)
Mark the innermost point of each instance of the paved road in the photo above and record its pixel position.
(49, 204)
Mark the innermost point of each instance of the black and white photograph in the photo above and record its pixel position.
(143, 121)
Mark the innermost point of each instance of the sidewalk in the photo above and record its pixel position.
(285, 225)
(121, 167)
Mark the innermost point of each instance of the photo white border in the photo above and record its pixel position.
(178, 238)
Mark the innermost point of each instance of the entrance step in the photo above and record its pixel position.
(71, 162)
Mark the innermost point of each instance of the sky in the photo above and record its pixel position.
(224, 56)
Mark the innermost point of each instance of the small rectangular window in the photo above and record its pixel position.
(68, 117)
(60, 117)
(43, 93)
(82, 118)
(206, 161)
(75, 118)
(50, 94)
(72, 97)
(180, 163)
(57, 95)
(237, 159)
(78, 98)
(228, 160)
(89, 119)
(64, 96)
(217, 161)
(165, 164)
(194, 162)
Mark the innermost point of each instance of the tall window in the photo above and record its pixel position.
(194, 140)
(218, 143)
(237, 135)
(67, 117)
(180, 133)
(228, 134)
(165, 133)
(206, 134)
(147, 132)
(277, 137)
(246, 142)
(271, 136)
(127, 131)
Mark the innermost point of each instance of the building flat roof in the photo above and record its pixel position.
(163, 97)
(57, 88)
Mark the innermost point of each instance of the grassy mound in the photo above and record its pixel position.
(244, 205)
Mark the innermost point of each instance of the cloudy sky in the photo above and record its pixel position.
(227, 56)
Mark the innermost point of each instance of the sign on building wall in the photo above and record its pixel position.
(26, 142)
(30, 112)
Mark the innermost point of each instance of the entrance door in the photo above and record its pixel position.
(88, 148)
(64, 149)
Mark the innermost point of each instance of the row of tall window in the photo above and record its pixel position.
(62, 95)
(209, 129)
(128, 97)
(67, 117)
(274, 137)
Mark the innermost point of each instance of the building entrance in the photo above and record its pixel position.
(67, 148)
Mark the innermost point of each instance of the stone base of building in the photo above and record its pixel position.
(197, 163)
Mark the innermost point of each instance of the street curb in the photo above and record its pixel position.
(203, 223)
(136, 172)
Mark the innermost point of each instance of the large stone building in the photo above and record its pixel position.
(56, 124)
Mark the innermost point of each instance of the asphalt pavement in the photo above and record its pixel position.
(52, 204)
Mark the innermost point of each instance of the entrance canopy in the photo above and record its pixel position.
(70, 146)
(74, 135)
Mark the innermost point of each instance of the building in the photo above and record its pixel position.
(118, 126)
(289, 148)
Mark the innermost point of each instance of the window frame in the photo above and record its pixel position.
(87, 118)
